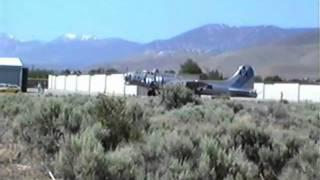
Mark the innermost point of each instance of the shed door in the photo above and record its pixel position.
(10, 75)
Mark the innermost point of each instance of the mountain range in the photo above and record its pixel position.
(290, 52)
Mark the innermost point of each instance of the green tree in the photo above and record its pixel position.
(39, 73)
(212, 75)
(271, 79)
(76, 72)
(66, 72)
(258, 79)
(170, 71)
(111, 71)
(103, 71)
(190, 67)
(96, 71)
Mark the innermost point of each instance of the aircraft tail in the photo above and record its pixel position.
(243, 78)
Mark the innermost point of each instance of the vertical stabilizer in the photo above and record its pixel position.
(243, 78)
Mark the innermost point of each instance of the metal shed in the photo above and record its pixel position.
(11, 71)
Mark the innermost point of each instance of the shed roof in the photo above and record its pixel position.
(10, 62)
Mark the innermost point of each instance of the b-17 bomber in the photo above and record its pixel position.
(240, 84)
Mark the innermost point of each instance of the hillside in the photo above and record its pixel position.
(217, 38)
(82, 51)
(68, 51)
(296, 57)
(293, 57)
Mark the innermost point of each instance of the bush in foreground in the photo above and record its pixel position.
(177, 96)
(82, 137)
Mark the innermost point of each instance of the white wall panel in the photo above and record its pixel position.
(60, 82)
(115, 84)
(271, 93)
(142, 91)
(71, 83)
(53, 82)
(259, 87)
(50, 82)
(83, 83)
(98, 83)
(131, 90)
(310, 93)
(290, 91)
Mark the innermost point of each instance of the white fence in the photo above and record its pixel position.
(98, 84)
(288, 91)
(115, 85)
(93, 84)
(83, 83)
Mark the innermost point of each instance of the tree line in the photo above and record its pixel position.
(188, 67)
(191, 67)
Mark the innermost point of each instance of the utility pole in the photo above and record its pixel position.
(319, 37)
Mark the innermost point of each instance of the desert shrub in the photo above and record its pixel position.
(100, 137)
(180, 146)
(122, 122)
(66, 160)
(279, 111)
(153, 153)
(250, 140)
(269, 154)
(175, 96)
(151, 106)
(11, 106)
(40, 127)
(124, 163)
(236, 107)
(138, 120)
(179, 170)
(216, 162)
(82, 157)
(72, 119)
(110, 112)
(202, 119)
(305, 165)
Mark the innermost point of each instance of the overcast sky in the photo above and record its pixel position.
(146, 20)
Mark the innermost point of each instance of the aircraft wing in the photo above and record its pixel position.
(218, 89)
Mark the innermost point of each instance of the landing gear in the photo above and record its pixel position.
(152, 92)
(197, 91)
(152, 89)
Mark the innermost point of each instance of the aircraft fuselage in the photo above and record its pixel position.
(239, 85)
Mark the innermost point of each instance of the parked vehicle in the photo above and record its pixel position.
(10, 88)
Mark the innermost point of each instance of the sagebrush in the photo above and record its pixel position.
(174, 136)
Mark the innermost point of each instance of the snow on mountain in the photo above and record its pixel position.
(83, 37)
(88, 37)
(70, 36)
(74, 50)
(11, 36)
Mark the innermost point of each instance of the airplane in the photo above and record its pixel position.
(240, 84)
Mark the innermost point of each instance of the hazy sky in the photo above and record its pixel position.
(146, 20)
